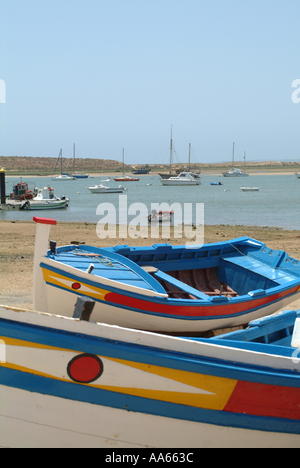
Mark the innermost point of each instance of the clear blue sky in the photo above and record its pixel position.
(108, 74)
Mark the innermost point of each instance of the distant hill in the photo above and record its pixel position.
(27, 165)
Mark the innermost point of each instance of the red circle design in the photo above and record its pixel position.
(85, 368)
(76, 286)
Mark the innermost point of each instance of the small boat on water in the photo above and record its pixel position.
(21, 192)
(102, 188)
(183, 179)
(216, 183)
(74, 174)
(142, 170)
(249, 189)
(167, 289)
(235, 172)
(63, 176)
(297, 174)
(68, 382)
(125, 178)
(160, 216)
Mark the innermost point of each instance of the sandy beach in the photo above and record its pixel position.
(18, 238)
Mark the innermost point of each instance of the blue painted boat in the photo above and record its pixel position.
(72, 383)
(164, 288)
(216, 183)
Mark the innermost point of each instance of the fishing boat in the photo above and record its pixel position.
(184, 178)
(297, 174)
(216, 183)
(125, 178)
(160, 216)
(68, 382)
(21, 192)
(167, 289)
(102, 188)
(44, 199)
(235, 172)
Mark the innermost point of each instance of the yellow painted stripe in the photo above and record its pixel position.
(220, 389)
(57, 279)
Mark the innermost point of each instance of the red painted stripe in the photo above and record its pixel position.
(265, 400)
(212, 310)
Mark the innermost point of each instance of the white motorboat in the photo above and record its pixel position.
(235, 173)
(102, 188)
(184, 178)
(63, 177)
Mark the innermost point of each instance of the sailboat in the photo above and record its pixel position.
(125, 178)
(235, 172)
(74, 174)
(184, 178)
(62, 176)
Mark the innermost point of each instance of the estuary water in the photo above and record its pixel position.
(276, 204)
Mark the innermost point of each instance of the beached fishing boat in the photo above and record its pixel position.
(164, 288)
(72, 383)
(160, 216)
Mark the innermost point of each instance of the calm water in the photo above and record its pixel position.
(276, 204)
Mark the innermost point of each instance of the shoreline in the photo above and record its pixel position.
(18, 239)
(210, 172)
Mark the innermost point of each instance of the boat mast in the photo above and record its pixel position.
(74, 158)
(171, 151)
(189, 157)
(123, 162)
(233, 156)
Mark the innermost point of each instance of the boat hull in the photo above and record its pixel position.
(169, 289)
(184, 183)
(151, 390)
(121, 307)
(34, 420)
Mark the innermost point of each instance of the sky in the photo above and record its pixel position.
(113, 74)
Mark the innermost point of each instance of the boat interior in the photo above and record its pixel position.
(280, 331)
(220, 271)
(217, 271)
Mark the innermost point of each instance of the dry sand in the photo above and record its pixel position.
(17, 248)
